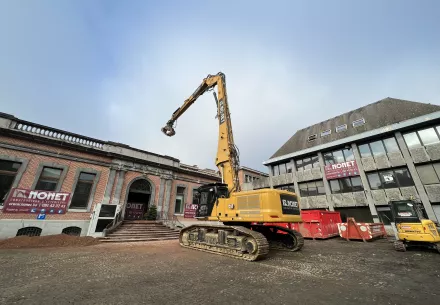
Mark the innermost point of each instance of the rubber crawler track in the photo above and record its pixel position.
(295, 236)
(399, 246)
(260, 239)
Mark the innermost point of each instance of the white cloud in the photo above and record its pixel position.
(268, 94)
(99, 71)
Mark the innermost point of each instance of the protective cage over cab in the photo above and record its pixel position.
(206, 196)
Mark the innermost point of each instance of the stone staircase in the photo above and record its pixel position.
(140, 230)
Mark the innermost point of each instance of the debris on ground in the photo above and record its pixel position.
(345, 273)
(59, 240)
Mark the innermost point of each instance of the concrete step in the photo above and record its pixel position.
(145, 231)
(122, 240)
(139, 223)
(142, 223)
(143, 234)
(143, 228)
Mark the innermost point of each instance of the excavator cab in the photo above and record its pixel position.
(206, 197)
(407, 211)
(413, 228)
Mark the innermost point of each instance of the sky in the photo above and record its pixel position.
(117, 70)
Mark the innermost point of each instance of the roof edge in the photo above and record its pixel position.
(407, 123)
(254, 170)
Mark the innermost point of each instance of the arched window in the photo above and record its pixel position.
(29, 231)
(141, 186)
(75, 231)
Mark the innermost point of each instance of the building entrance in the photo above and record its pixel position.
(138, 200)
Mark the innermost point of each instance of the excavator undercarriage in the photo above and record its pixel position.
(250, 243)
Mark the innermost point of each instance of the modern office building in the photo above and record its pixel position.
(358, 161)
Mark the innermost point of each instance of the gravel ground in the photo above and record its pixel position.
(324, 272)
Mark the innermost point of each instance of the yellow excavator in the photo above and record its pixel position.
(413, 227)
(242, 234)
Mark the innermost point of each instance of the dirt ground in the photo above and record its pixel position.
(324, 272)
(58, 240)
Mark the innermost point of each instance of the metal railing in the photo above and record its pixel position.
(117, 221)
(57, 134)
(169, 219)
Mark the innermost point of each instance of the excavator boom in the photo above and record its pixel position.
(227, 159)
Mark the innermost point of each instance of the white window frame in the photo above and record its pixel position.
(326, 133)
(356, 123)
(341, 128)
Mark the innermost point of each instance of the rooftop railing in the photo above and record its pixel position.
(58, 134)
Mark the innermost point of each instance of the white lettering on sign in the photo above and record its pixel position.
(290, 203)
(136, 206)
(46, 195)
(190, 206)
(343, 165)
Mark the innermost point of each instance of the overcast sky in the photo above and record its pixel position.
(117, 70)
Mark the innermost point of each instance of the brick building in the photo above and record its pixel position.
(358, 161)
(249, 175)
(102, 179)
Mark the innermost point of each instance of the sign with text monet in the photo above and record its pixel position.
(36, 202)
(190, 210)
(341, 170)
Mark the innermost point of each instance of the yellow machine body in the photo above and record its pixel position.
(413, 228)
(264, 205)
(426, 231)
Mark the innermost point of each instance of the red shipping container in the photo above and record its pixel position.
(316, 224)
(361, 230)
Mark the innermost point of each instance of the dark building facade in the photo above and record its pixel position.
(358, 161)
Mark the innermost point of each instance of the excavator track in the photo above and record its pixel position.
(399, 246)
(232, 241)
(281, 238)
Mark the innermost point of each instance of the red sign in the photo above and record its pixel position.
(190, 210)
(341, 170)
(38, 202)
(134, 210)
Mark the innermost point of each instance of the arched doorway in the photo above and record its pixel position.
(138, 199)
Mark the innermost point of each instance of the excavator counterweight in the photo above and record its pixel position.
(242, 213)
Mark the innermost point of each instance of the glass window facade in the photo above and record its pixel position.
(389, 178)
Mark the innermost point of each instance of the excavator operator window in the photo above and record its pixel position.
(406, 211)
(206, 202)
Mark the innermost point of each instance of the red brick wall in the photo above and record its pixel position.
(35, 160)
(241, 177)
(189, 185)
(29, 176)
(202, 180)
(189, 192)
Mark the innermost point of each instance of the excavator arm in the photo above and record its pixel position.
(227, 159)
